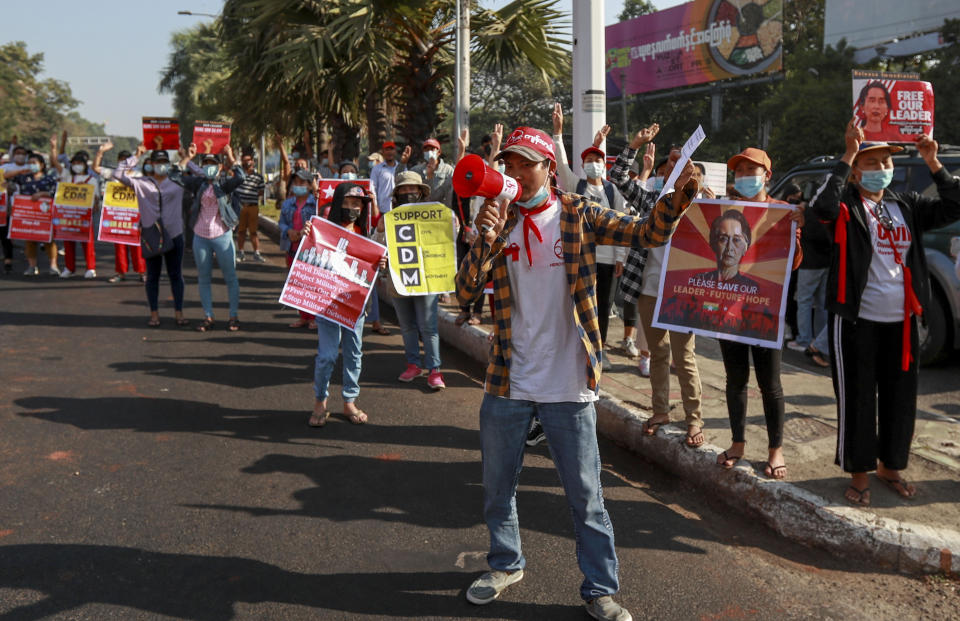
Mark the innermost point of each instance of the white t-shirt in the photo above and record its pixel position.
(882, 298)
(548, 359)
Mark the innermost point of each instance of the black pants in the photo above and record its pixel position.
(6, 243)
(604, 297)
(174, 260)
(629, 314)
(876, 399)
(766, 364)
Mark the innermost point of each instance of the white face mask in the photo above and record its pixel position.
(430, 155)
(78, 169)
(594, 170)
(19, 159)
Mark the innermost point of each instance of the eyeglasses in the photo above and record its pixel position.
(882, 217)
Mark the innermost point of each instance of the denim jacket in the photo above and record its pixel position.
(222, 187)
(287, 211)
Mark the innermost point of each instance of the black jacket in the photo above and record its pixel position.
(921, 213)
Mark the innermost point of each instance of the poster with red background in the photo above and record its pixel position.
(892, 107)
(3, 204)
(31, 220)
(211, 136)
(161, 133)
(326, 188)
(697, 292)
(332, 273)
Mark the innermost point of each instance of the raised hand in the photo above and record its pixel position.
(927, 148)
(601, 135)
(496, 136)
(141, 149)
(853, 137)
(645, 135)
(557, 119)
(106, 146)
(191, 151)
(405, 156)
(686, 177)
(649, 156)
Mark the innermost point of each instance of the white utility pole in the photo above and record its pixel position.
(589, 92)
(461, 116)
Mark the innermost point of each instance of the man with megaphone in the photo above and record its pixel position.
(539, 246)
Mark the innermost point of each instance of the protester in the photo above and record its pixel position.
(545, 328)
(120, 251)
(752, 170)
(295, 214)
(349, 204)
(80, 171)
(16, 165)
(160, 199)
(434, 171)
(37, 182)
(381, 185)
(213, 219)
(640, 284)
(247, 199)
(347, 170)
(877, 286)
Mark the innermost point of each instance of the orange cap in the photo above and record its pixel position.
(757, 156)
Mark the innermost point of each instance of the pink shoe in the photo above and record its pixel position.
(412, 373)
(435, 380)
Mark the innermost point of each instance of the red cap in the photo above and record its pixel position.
(590, 150)
(757, 156)
(432, 142)
(388, 144)
(531, 143)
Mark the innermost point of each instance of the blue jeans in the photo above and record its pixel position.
(203, 251)
(811, 296)
(822, 342)
(571, 430)
(417, 315)
(373, 314)
(331, 338)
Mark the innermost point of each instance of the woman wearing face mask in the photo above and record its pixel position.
(752, 170)
(212, 219)
(160, 199)
(37, 183)
(347, 170)
(877, 286)
(295, 213)
(79, 172)
(123, 254)
(350, 203)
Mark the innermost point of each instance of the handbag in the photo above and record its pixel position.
(154, 239)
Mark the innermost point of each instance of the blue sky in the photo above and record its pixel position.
(112, 56)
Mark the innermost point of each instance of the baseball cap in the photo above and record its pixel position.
(158, 155)
(357, 191)
(208, 157)
(389, 145)
(866, 147)
(530, 143)
(431, 142)
(756, 156)
(593, 150)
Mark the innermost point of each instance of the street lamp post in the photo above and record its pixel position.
(197, 14)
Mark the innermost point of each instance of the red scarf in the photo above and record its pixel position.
(530, 225)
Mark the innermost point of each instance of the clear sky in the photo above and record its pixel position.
(112, 53)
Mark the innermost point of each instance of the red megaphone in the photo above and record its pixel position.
(472, 177)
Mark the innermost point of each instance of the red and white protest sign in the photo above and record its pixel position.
(892, 107)
(211, 136)
(332, 273)
(161, 133)
(326, 188)
(31, 220)
(120, 217)
(3, 204)
(73, 211)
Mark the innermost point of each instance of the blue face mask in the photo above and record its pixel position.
(161, 169)
(211, 170)
(34, 167)
(876, 180)
(348, 175)
(294, 155)
(748, 187)
(299, 190)
(148, 167)
(657, 183)
(536, 199)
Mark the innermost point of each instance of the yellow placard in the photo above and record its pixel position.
(421, 248)
(119, 195)
(75, 194)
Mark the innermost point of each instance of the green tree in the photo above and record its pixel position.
(635, 8)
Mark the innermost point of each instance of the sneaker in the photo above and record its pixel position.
(53, 271)
(605, 609)
(240, 256)
(90, 274)
(31, 271)
(796, 346)
(66, 273)
(412, 373)
(435, 380)
(605, 363)
(490, 585)
(258, 257)
(535, 436)
(630, 347)
(644, 366)
(115, 278)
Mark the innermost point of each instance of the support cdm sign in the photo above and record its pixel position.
(693, 43)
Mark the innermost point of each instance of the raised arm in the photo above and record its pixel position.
(98, 158)
(54, 160)
(565, 177)
(496, 137)
(941, 210)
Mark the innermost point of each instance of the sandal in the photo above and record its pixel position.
(773, 471)
(651, 426)
(695, 440)
(380, 330)
(319, 419)
(899, 485)
(462, 317)
(233, 325)
(863, 496)
(724, 458)
(154, 323)
(183, 322)
(205, 325)
(312, 325)
(474, 320)
(357, 418)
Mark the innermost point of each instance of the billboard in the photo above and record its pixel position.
(884, 21)
(693, 43)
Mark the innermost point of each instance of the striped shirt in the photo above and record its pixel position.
(248, 192)
(583, 225)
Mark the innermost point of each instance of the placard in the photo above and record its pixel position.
(73, 211)
(31, 220)
(211, 136)
(892, 107)
(120, 216)
(422, 251)
(161, 133)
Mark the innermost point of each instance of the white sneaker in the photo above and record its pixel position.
(66, 273)
(644, 366)
(605, 609)
(490, 585)
(796, 346)
(90, 274)
(31, 271)
(55, 272)
(629, 346)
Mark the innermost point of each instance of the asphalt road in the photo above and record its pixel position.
(168, 474)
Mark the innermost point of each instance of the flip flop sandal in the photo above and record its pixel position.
(461, 318)
(381, 330)
(859, 501)
(357, 418)
(771, 471)
(723, 462)
(205, 325)
(153, 323)
(695, 444)
(319, 420)
(233, 325)
(900, 486)
(650, 428)
(183, 323)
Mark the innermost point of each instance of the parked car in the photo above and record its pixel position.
(940, 327)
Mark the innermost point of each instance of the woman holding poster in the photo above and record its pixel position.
(730, 238)
(79, 172)
(37, 183)
(295, 213)
(877, 286)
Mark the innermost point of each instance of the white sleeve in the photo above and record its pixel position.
(565, 177)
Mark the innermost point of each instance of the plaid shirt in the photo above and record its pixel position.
(642, 200)
(583, 225)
